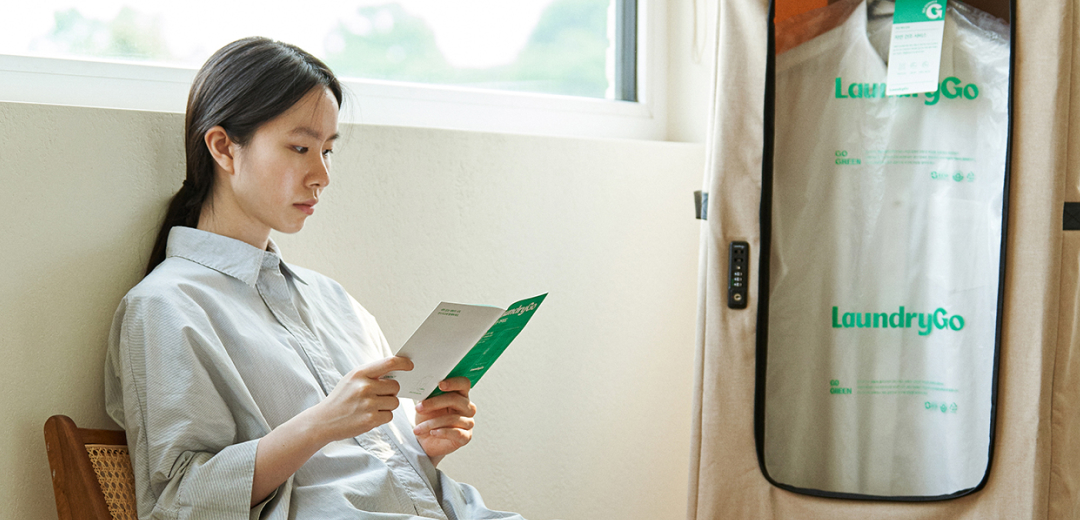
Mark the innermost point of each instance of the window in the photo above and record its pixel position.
(474, 64)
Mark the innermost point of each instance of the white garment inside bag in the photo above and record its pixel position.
(884, 267)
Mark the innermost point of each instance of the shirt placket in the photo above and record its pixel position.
(275, 293)
(274, 290)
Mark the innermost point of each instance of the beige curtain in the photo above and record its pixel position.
(1065, 400)
(1036, 465)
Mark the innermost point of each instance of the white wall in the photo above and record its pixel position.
(586, 416)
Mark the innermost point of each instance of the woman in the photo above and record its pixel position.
(250, 388)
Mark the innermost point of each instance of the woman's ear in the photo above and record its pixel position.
(221, 148)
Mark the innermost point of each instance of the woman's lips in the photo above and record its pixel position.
(307, 207)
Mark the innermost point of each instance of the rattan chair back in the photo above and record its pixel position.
(91, 471)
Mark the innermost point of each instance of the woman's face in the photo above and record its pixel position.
(280, 173)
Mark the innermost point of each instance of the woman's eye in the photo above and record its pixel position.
(300, 149)
(327, 153)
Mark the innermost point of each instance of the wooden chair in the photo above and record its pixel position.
(91, 471)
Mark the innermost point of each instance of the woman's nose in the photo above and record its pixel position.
(320, 173)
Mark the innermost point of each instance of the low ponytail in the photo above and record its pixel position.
(243, 85)
(184, 210)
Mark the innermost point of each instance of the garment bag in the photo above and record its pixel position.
(882, 255)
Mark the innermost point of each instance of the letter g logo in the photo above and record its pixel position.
(933, 10)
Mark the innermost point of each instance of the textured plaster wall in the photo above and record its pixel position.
(585, 417)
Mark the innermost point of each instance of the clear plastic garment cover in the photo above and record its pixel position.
(881, 255)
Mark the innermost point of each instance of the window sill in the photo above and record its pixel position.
(165, 89)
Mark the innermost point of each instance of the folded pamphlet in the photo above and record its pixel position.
(459, 340)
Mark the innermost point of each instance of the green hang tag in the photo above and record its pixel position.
(915, 49)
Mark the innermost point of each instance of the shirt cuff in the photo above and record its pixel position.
(218, 486)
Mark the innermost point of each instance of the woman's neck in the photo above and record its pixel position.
(221, 215)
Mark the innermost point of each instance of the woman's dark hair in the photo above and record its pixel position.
(243, 85)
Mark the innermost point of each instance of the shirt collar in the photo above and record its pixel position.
(228, 256)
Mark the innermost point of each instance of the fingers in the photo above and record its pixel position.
(439, 425)
(452, 403)
(446, 419)
(384, 387)
(380, 368)
(447, 440)
(379, 418)
(385, 403)
(359, 386)
(368, 400)
(456, 384)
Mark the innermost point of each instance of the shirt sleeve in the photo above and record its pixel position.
(174, 389)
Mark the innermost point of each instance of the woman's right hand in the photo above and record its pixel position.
(360, 401)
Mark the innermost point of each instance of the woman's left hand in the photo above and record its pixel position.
(444, 422)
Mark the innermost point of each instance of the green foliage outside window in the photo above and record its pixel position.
(565, 54)
(127, 36)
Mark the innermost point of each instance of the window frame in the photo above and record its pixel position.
(106, 84)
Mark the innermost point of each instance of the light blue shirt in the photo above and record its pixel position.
(223, 342)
